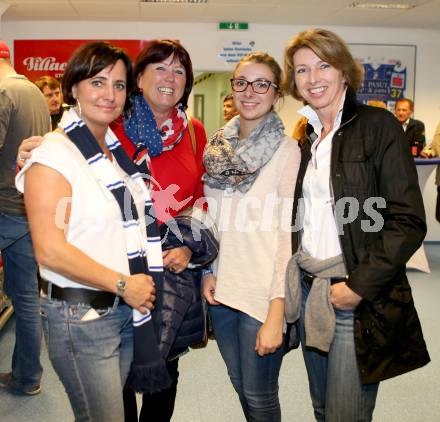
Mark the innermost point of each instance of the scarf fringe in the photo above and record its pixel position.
(149, 379)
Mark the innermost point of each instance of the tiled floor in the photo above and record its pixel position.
(205, 393)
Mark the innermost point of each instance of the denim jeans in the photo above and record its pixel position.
(254, 377)
(92, 358)
(20, 284)
(335, 387)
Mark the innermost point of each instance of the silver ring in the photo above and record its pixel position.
(20, 158)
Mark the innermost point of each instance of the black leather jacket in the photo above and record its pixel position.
(370, 159)
(183, 313)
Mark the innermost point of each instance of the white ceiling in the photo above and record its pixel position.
(296, 12)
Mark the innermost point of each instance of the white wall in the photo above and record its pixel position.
(204, 42)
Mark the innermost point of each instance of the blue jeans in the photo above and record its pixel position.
(254, 377)
(92, 358)
(21, 285)
(335, 387)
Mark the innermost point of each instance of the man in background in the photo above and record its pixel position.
(23, 113)
(433, 150)
(414, 129)
(229, 110)
(51, 89)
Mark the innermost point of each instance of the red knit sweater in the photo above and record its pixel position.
(177, 173)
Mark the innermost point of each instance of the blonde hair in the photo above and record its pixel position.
(330, 48)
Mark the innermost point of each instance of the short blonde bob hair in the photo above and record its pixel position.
(330, 48)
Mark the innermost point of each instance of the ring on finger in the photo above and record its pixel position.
(20, 157)
(173, 269)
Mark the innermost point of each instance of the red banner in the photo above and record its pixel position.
(36, 58)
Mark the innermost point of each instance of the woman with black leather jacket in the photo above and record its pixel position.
(360, 213)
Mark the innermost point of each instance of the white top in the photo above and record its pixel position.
(405, 124)
(255, 235)
(319, 237)
(95, 225)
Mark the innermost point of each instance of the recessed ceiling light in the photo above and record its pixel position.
(175, 1)
(382, 6)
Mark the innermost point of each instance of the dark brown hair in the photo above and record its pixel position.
(88, 60)
(48, 81)
(159, 50)
(330, 48)
(228, 98)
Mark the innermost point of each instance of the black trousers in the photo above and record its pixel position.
(158, 407)
(437, 207)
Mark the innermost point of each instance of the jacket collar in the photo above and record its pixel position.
(349, 110)
(350, 106)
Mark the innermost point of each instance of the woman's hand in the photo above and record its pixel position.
(270, 335)
(208, 288)
(25, 149)
(140, 292)
(176, 260)
(269, 338)
(343, 298)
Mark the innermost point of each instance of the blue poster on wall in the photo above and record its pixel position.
(384, 82)
(389, 73)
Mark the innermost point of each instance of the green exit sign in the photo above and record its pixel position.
(233, 25)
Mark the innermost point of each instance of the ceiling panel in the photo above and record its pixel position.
(40, 11)
(108, 10)
(298, 12)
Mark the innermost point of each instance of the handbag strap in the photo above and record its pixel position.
(192, 135)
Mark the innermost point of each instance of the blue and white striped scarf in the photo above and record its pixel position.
(148, 371)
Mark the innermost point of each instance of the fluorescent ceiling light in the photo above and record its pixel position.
(175, 1)
(382, 6)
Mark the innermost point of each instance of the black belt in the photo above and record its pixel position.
(308, 278)
(97, 299)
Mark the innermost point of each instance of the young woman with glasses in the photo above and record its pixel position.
(251, 168)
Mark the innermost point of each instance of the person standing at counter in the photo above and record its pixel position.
(414, 129)
(431, 151)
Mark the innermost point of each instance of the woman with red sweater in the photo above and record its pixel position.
(159, 126)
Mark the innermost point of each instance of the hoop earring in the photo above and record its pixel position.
(78, 108)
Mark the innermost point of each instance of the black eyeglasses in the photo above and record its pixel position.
(259, 86)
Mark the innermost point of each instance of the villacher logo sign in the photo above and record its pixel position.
(44, 64)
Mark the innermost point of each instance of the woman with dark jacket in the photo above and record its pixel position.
(359, 217)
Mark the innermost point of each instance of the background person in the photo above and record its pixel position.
(360, 325)
(23, 112)
(433, 150)
(229, 110)
(104, 266)
(251, 161)
(414, 129)
(51, 89)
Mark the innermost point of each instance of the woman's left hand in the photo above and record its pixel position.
(269, 338)
(176, 260)
(343, 298)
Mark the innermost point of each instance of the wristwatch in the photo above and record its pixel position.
(120, 286)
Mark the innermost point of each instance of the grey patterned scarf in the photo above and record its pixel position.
(235, 164)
